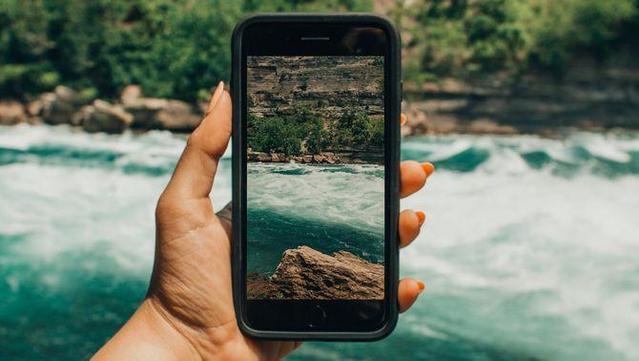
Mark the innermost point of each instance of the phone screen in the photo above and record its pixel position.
(315, 177)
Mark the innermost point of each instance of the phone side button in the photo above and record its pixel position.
(316, 316)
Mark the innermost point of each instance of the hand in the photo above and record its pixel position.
(188, 312)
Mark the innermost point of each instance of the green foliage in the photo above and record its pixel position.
(306, 133)
(274, 134)
(303, 132)
(181, 48)
(564, 30)
(353, 129)
(172, 48)
(461, 37)
(252, 6)
(468, 38)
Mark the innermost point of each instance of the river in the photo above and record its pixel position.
(529, 251)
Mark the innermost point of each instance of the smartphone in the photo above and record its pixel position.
(316, 102)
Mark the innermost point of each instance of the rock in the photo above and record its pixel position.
(178, 116)
(264, 157)
(280, 85)
(11, 112)
(130, 94)
(81, 115)
(66, 95)
(35, 120)
(490, 127)
(259, 156)
(58, 112)
(57, 107)
(278, 157)
(330, 157)
(104, 117)
(305, 273)
(144, 111)
(155, 113)
(307, 159)
(34, 107)
(319, 158)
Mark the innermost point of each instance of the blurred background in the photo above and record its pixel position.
(529, 110)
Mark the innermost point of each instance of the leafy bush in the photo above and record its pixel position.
(181, 48)
(306, 133)
(273, 134)
(478, 38)
(573, 28)
(172, 48)
(356, 129)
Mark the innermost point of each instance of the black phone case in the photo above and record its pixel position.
(392, 136)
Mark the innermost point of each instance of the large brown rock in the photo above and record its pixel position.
(102, 116)
(279, 157)
(130, 94)
(260, 156)
(156, 113)
(11, 112)
(305, 273)
(330, 157)
(57, 107)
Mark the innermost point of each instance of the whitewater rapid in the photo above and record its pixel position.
(528, 252)
(330, 208)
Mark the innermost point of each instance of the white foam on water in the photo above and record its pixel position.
(569, 244)
(517, 259)
(66, 210)
(604, 148)
(349, 194)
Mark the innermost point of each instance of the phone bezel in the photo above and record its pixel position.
(265, 33)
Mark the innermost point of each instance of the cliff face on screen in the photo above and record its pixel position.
(333, 84)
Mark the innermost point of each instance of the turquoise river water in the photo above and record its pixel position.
(530, 251)
(327, 207)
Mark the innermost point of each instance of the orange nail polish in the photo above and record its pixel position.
(402, 119)
(421, 286)
(421, 216)
(429, 168)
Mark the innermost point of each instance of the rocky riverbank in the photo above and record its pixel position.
(131, 111)
(344, 157)
(305, 273)
(587, 97)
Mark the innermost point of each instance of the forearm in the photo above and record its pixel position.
(147, 336)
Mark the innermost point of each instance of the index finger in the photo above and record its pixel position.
(195, 171)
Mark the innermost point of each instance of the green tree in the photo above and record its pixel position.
(173, 48)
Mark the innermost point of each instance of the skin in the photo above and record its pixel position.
(188, 312)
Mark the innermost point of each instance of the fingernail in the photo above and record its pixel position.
(216, 96)
(402, 119)
(429, 168)
(421, 286)
(421, 216)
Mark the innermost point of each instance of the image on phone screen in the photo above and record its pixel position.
(315, 178)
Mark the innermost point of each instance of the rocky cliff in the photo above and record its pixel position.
(279, 86)
(305, 273)
(587, 97)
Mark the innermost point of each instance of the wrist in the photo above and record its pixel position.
(197, 343)
(166, 331)
(148, 335)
